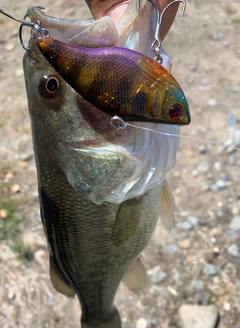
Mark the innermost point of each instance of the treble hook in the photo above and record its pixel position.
(36, 25)
(157, 42)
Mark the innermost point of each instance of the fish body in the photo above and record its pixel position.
(101, 190)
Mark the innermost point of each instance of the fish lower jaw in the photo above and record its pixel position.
(113, 321)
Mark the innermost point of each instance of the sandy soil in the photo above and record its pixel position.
(205, 49)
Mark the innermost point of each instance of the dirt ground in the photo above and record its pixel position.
(205, 49)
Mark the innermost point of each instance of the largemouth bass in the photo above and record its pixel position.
(101, 189)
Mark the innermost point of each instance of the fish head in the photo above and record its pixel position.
(100, 161)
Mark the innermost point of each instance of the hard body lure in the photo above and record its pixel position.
(119, 81)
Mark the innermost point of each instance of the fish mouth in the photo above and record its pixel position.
(104, 163)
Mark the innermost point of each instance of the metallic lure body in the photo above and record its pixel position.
(101, 189)
(119, 81)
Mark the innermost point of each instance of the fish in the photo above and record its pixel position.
(101, 189)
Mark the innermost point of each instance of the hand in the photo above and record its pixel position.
(101, 8)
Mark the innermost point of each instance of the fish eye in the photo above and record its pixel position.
(176, 112)
(49, 87)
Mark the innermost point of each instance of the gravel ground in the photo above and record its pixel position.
(198, 262)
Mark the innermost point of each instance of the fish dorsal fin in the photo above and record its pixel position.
(127, 220)
(167, 206)
(58, 282)
(136, 278)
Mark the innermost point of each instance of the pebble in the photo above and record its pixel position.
(154, 322)
(171, 249)
(235, 223)
(227, 306)
(141, 323)
(193, 220)
(202, 149)
(203, 167)
(217, 166)
(210, 270)
(232, 235)
(15, 188)
(184, 225)
(238, 284)
(197, 284)
(19, 72)
(233, 250)
(221, 184)
(3, 213)
(158, 277)
(11, 296)
(184, 243)
(176, 274)
(212, 102)
(10, 47)
(198, 316)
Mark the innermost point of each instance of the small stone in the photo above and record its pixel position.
(221, 184)
(233, 250)
(231, 235)
(210, 270)
(184, 243)
(235, 223)
(198, 316)
(23, 164)
(128, 299)
(154, 322)
(158, 277)
(197, 284)
(171, 249)
(15, 188)
(214, 188)
(202, 149)
(217, 166)
(203, 167)
(10, 47)
(238, 284)
(176, 274)
(3, 214)
(226, 44)
(184, 225)
(25, 157)
(212, 102)
(141, 323)
(11, 296)
(227, 306)
(193, 220)
(50, 299)
(19, 72)
(203, 298)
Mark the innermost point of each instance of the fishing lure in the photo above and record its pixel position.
(118, 81)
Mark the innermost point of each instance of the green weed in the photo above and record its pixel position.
(236, 20)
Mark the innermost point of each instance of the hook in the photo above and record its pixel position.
(36, 25)
(157, 42)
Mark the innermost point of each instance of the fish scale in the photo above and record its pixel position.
(85, 260)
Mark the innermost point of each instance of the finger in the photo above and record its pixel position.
(101, 8)
(168, 16)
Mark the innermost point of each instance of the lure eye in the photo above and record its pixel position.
(49, 87)
(176, 112)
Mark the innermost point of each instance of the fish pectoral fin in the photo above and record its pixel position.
(167, 206)
(58, 282)
(136, 278)
(127, 221)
